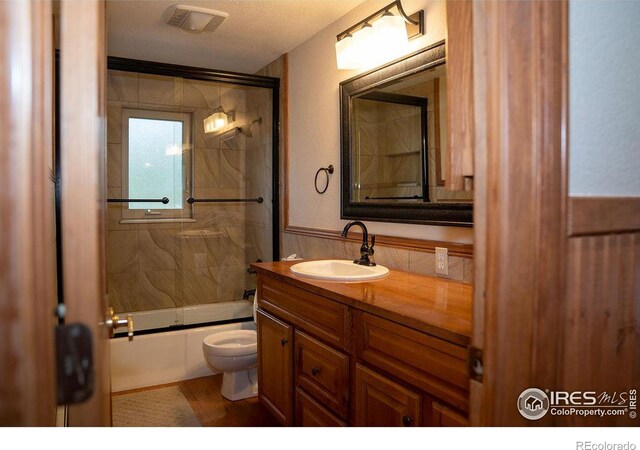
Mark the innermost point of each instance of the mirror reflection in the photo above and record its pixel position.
(399, 147)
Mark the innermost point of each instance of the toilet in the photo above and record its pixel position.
(235, 353)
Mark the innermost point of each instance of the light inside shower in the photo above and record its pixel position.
(218, 120)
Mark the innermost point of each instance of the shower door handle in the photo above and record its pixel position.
(113, 322)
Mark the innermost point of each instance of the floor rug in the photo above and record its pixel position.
(162, 407)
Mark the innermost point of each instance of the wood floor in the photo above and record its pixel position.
(213, 410)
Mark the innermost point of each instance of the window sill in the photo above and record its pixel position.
(175, 220)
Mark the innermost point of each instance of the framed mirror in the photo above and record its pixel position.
(393, 144)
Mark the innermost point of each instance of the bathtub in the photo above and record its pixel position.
(167, 357)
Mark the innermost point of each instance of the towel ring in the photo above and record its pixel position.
(327, 172)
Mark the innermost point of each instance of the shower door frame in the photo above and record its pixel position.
(235, 78)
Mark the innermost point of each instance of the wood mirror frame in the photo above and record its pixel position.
(449, 214)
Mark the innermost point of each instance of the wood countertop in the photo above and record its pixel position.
(436, 306)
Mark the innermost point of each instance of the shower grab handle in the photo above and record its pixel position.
(192, 200)
(163, 200)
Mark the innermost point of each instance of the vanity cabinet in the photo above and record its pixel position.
(325, 363)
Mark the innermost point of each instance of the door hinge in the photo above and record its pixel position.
(475, 364)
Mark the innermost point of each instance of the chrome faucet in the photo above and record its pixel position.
(366, 250)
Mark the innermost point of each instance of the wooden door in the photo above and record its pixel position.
(27, 233)
(83, 189)
(379, 402)
(275, 366)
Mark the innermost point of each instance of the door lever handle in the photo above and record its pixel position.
(114, 321)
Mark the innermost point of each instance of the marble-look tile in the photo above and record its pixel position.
(233, 97)
(123, 251)
(199, 286)
(369, 137)
(370, 170)
(393, 258)
(122, 86)
(157, 289)
(344, 249)
(259, 244)
(207, 168)
(456, 268)
(234, 247)
(157, 249)
(203, 249)
(200, 94)
(232, 282)
(123, 291)
(114, 165)
(306, 247)
(159, 89)
(423, 263)
(232, 168)
(114, 122)
(468, 270)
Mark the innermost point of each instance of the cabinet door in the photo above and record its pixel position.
(445, 417)
(310, 414)
(460, 96)
(379, 402)
(275, 386)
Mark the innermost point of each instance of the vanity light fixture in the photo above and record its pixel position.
(218, 120)
(380, 37)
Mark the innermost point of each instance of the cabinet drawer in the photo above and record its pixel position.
(379, 402)
(429, 363)
(310, 414)
(322, 372)
(324, 318)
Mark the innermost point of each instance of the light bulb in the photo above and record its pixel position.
(390, 35)
(364, 44)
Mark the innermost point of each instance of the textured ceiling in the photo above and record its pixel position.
(256, 32)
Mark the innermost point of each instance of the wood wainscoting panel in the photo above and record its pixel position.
(599, 215)
(602, 320)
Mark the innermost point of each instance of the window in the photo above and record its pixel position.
(156, 163)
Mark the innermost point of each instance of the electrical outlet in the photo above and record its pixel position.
(442, 261)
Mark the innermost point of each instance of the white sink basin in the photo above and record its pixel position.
(339, 270)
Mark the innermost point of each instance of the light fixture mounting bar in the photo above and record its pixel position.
(414, 22)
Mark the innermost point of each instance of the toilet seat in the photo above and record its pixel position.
(231, 343)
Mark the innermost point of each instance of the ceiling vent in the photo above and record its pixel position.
(194, 19)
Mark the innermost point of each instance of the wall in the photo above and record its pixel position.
(169, 265)
(314, 116)
(604, 99)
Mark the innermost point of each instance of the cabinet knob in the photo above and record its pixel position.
(314, 371)
(283, 342)
(406, 420)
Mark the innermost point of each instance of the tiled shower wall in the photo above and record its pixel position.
(165, 265)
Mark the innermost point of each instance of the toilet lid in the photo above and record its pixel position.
(231, 343)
